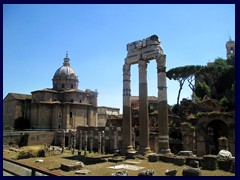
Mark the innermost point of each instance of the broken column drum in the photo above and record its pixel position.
(141, 52)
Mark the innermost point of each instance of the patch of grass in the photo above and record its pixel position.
(191, 116)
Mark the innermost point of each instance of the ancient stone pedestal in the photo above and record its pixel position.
(210, 162)
(171, 172)
(194, 164)
(225, 164)
(179, 161)
(191, 172)
(72, 167)
(153, 158)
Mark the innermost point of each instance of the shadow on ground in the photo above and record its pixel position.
(88, 160)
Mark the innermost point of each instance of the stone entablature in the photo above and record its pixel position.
(146, 49)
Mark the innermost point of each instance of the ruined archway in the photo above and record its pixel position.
(215, 130)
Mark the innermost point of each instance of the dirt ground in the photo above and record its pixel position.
(53, 163)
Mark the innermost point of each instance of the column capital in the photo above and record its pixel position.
(126, 68)
(142, 65)
(161, 60)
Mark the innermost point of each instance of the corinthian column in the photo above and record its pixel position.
(143, 109)
(162, 106)
(127, 115)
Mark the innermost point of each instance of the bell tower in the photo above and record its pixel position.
(230, 47)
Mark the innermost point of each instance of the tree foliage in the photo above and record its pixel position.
(202, 90)
(181, 74)
(21, 123)
(217, 81)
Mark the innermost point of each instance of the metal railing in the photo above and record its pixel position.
(19, 169)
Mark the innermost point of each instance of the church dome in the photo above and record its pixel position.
(65, 77)
(65, 70)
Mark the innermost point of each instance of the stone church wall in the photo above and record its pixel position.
(28, 138)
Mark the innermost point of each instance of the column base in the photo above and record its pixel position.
(144, 151)
(164, 151)
(127, 150)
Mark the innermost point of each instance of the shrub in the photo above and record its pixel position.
(31, 153)
(26, 154)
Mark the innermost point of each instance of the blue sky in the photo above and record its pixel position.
(36, 38)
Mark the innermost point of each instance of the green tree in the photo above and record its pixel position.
(202, 90)
(211, 73)
(181, 74)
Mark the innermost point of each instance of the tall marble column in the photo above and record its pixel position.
(127, 115)
(162, 106)
(143, 109)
